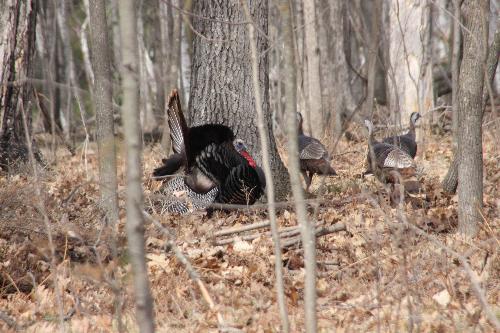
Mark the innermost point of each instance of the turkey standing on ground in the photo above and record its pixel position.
(214, 169)
(383, 158)
(313, 156)
(407, 141)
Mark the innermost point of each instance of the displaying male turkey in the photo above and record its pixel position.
(214, 170)
(313, 156)
(384, 157)
(407, 141)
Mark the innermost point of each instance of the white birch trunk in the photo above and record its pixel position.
(410, 88)
(314, 105)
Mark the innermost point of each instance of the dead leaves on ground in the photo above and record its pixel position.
(374, 275)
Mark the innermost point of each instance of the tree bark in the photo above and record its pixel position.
(338, 95)
(450, 181)
(314, 112)
(372, 13)
(146, 77)
(306, 229)
(455, 69)
(17, 46)
(130, 110)
(103, 94)
(264, 141)
(411, 72)
(470, 148)
(373, 55)
(221, 85)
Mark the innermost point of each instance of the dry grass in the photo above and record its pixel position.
(378, 276)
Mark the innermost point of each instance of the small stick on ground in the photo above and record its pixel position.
(285, 234)
(321, 231)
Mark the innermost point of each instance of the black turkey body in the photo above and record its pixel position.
(214, 170)
(406, 142)
(383, 157)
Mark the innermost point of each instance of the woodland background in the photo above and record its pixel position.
(424, 265)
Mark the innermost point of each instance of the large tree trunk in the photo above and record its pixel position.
(221, 85)
(470, 103)
(103, 85)
(130, 110)
(410, 83)
(146, 77)
(314, 113)
(373, 52)
(337, 93)
(17, 46)
(170, 24)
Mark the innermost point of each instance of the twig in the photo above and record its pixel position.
(321, 231)
(289, 233)
(286, 232)
(236, 230)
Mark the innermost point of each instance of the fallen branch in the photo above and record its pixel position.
(236, 230)
(249, 227)
(285, 235)
(320, 231)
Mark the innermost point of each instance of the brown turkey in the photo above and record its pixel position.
(313, 156)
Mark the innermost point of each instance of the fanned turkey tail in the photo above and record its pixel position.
(177, 124)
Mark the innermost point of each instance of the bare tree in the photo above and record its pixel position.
(130, 110)
(314, 112)
(450, 181)
(104, 108)
(264, 142)
(373, 54)
(221, 85)
(470, 104)
(455, 67)
(338, 92)
(306, 229)
(410, 77)
(17, 46)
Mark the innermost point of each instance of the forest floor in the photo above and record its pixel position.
(378, 275)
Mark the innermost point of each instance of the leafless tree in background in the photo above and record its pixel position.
(470, 110)
(314, 111)
(306, 228)
(410, 71)
(17, 46)
(130, 111)
(338, 99)
(264, 143)
(104, 108)
(373, 52)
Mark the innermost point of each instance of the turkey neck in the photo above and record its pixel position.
(300, 130)
(411, 131)
(371, 138)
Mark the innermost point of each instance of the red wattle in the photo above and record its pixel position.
(249, 158)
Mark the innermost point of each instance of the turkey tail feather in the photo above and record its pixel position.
(177, 123)
(170, 166)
